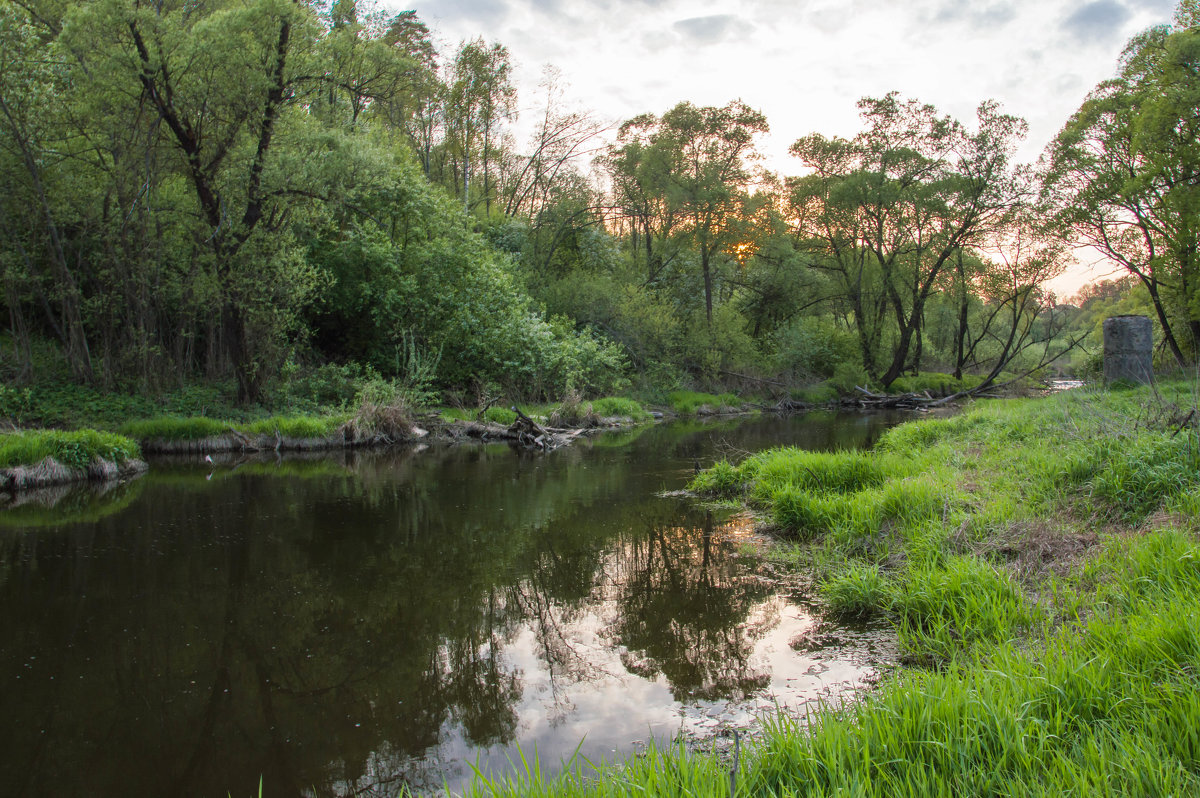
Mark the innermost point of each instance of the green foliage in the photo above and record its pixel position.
(72, 449)
(15, 403)
(849, 376)
(687, 403)
(619, 407)
(174, 428)
(721, 480)
(944, 610)
(813, 347)
(859, 591)
(330, 385)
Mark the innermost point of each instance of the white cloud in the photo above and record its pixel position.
(806, 62)
(712, 29)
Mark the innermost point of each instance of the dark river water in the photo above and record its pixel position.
(357, 622)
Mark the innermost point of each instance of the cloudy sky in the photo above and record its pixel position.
(804, 63)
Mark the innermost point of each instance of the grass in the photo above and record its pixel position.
(567, 412)
(174, 428)
(1038, 560)
(688, 403)
(71, 449)
(296, 426)
(936, 383)
(619, 407)
(193, 428)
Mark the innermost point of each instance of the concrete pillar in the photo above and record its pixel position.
(1128, 349)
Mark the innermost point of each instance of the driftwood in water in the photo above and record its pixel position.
(523, 432)
(910, 401)
(869, 400)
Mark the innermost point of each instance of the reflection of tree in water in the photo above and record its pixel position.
(687, 613)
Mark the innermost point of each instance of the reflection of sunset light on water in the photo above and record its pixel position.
(738, 528)
(593, 693)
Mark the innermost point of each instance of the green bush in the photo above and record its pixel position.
(811, 346)
(849, 376)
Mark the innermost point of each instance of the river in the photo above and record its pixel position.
(356, 622)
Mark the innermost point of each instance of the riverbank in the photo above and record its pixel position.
(43, 458)
(1038, 560)
(386, 420)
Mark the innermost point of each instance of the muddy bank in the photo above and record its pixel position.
(234, 441)
(50, 472)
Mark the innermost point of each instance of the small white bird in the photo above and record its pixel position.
(208, 459)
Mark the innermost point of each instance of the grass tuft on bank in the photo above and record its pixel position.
(690, 403)
(74, 450)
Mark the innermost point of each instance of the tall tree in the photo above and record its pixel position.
(896, 204)
(688, 174)
(219, 79)
(480, 97)
(1124, 174)
(31, 144)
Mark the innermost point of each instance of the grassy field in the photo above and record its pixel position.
(1039, 562)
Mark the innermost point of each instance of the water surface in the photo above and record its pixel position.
(352, 623)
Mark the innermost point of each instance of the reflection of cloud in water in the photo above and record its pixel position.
(621, 697)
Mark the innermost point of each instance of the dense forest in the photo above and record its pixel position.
(267, 192)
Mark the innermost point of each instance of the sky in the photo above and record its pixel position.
(805, 63)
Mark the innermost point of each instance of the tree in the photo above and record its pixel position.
(369, 59)
(1124, 175)
(29, 139)
(687, 175)
(889, 210)
(218, 79)
(479, 97)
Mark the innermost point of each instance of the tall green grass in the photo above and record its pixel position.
(72, 449)
(176, 428)
(687, 403)
(619, 407)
